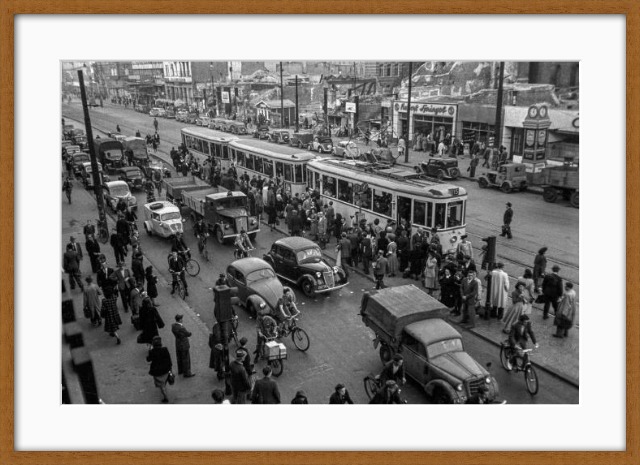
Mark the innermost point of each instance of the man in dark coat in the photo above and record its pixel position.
(216, 357)
(552, 291)
(394, 370)
(469, 293)
(71, 265)
(266, 390)
(75, 247)
(120, 276)
(182, 347)
(93, 251)
(506, 221)
(122, 227)
(240, 383)
(102, 278)
(340, 396)
(137, 267)
(118, 247)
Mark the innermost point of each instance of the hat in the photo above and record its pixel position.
(397, 357)
(339, 386)
(508, 204)
(178, 317)
(464, 236)
(523, 318)
(243, 340)
(222, 275)
(300, 393)
(555, 268)
(240, 354)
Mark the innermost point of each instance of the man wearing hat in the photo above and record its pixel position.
(506, 221)
(182, 347)
(340, 395)
(240, 383)
(464, 247)
(394, 370)
(137, 267)
(222, 280)
(499, 291)
(519, 335)
(552, 291)
(389, 394)
(75, 247)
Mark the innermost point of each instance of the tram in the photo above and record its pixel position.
(205, 143)
(368, 192)
(267, 160)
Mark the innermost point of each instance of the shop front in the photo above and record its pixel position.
(437, 119)
(477, 123)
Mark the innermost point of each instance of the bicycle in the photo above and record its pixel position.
(276, 362)
(299, 336)
(373, 384)
(202, 246)
(507, 353)
(191, 265)
(238, 254)
(177, 283)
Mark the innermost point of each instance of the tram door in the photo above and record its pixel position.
(404, 209)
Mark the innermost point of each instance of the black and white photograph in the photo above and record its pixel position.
(320, 232)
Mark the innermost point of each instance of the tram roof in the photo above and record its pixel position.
(272, 150)
(207, 133)
(395, 179)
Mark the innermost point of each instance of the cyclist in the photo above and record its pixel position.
(67, 187)
(266, 328)
(394, 370)
(121, 206)
(518, 338)
(200, 230)
(131, 218)
(289, 301)
(243, 244)
(389, 394)
(176, 267)
(180, 246)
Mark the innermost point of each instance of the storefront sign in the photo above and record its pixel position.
(177, 79)
(350, 107)
(427, 109)
(225, 97)
(542, 137)
(530, 137)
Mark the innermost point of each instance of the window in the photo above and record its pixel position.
(240, 158)
(440, 215)
(257, 164)
(517, 141)
(382, 202)
(198, 145)
(205, 148)
(249, 161)
(288, 255)
(288, 172)
(365, 199)
(419, 213)
(215, 150)
(299, 170)
(329, 186)
(444, 347)
(413, 344)
(279, 169)
(455, 215)
(345, 191)
(225, 152)
(267, 167)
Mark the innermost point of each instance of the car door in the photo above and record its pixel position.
(107, 196)
(155, 222)
(289, 265)
(415, 359)
(276, 256)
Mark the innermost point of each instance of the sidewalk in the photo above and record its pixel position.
(131, 382)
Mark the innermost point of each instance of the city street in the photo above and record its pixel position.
(341, 346)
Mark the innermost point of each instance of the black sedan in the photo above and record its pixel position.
(132, 176)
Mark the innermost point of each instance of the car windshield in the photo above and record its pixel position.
(113, 154)
(80, 158)
(119, 191)
(325, 140)
(170, 216)
(259, 275)
(444, 347)
(132, 172)
(309, 255)
(230, 202)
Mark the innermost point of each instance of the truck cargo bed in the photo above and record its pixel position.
(194, 199)
(176, 186)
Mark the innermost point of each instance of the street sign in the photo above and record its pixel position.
(225, 97)
(350, 107)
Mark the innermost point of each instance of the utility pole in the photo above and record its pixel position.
(326, 108)
(499, 108)
(281, 99)
(406, 149)
(297, 117)
(97, 182)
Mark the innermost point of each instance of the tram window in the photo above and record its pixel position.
(345, 191)
(288, 172)
(257, 163)
(429, 214)
(454, 214)
(184, 139)
(329, 186)
(419, 213)
(440, 215)
(304, 174)
(225, 152)
(249, 161)
(206, 148)
(215, 151)
(279, 169)
(299, 170)
(382, 202)
(365, 199)
(267, 167)
(240, 157)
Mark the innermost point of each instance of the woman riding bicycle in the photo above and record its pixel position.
(243, 244)
(518, 338)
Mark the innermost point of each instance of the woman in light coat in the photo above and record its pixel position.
(392, 257)
(431, 273)
(92, 302)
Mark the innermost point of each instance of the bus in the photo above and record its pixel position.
(205, 143)
(367, 192)
(264, 159)
(138, 147)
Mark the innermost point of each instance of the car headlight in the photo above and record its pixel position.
(459, 387)
(453, 239)
(165, 226)
(335, 269)
(226, 226)
(318, 275)
(263, 305)
(487, 380)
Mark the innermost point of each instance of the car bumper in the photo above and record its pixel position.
(329, 289)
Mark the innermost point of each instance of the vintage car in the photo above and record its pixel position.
(300, 139)
(162, 218)
(71, 149)
(300, 262)
(191, 118)
(77, 159)
(155, 170)
(440, 168)
(181, 115)
(202, 120)
(169, 114)
(157, 112)
(237, 127)
(81, 141)
(116, 190)
(279, 136)
(261, 132)
(132, 176)
(66, 131)
(346, 149)
(258, 286)
(86, 175)
(408, 321)
(508, 177)
(321, 144)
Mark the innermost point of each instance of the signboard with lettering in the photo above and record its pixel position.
(350, 107)
(428, 109)
(225, 97)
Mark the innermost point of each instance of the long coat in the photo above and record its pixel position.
(499, 288)
(539, 267)
(392, 258)
(566, 310)
(150, 321)
(431, 273)
(112, 320)
(265, 392)
(92, 294)
(71, 262)
(449, 290)
(93, 250)
(182, 348)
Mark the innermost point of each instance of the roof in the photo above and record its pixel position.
(207, 133)
(246, 265)
(225, 195)
(272, 150)
(275, 104)
(430, 331)
(296, 243)
(111, 184)
(167, 207)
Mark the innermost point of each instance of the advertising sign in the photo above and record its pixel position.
(225, 97)
(350, 107)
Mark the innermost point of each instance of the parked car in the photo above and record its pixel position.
(300, 261)
(132, 176)
(408, 321)
(258, 286)
(261, 132)
(191, 118)
(157, 112)
(508, 177)
(202, 120)
(440, 168)
(181, 115)
(170, 114)
(321, 144)
(71, 149)
(279, 136)
(117, 136)
(86, 175)
(346, 149)
(300, 139)
(81, 141)
(77, 159)
(162, 218)
(237, 127)
(116, 190)
(155, 170)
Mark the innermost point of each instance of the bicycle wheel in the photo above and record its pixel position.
(182, 292)
(103, 235)
(531, 379)
(505, 354)
(370, 387)
(277, 367)
(192, 267)
(300, 339)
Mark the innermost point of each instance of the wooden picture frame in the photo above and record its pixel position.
(7, 422)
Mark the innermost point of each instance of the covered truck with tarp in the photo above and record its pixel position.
(409, 322)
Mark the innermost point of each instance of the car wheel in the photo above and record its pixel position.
(251, 310)
(385, 353)
(308, 288)
(146, 228)
(319, 149)
(575, 199)
(440, 396)
(506, 187)
(550, 195)
(482, 182)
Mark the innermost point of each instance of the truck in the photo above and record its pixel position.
(174, 187)
(136, 147)
(561, 181)
(109, 152)
(225, 212)
(406, 320)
